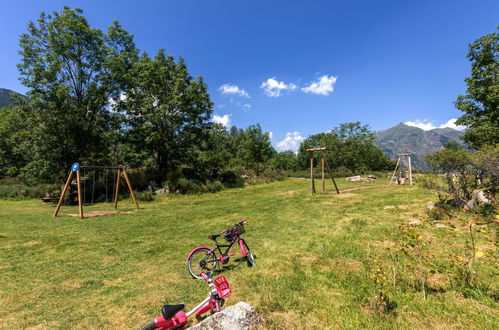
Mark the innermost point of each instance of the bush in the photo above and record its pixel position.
(24, 191)
(212, 187)
(231, 179)
(144, 196)
(186, 186)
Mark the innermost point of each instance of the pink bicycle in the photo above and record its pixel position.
(204, 259)
(174, 317)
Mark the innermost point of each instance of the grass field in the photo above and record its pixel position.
(313, 256)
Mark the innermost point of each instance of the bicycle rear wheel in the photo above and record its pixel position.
(202, 260)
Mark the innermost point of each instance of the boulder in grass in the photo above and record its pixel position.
(356, 178)
(241, 316)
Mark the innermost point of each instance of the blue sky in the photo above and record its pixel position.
(297, 67)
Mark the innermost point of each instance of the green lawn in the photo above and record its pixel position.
(311, 269)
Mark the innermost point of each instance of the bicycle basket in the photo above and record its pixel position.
(239, 228)
(229, 237)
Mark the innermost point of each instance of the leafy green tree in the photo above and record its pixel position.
(215, 153)
(15, 150)
(453, 145)
(285, 160)
(455, 175)
(72, 71)
(255, 148)
(350, 146)
(167, 110)
(481, 102)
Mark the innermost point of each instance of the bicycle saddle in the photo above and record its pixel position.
(169, 311)
(213, 236)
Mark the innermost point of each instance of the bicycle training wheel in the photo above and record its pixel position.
(250, 258)
(202, 260)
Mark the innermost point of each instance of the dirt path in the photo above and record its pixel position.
(364, 187)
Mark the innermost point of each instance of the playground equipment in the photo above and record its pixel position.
(76, 168)
(323, 162)
(399, 165)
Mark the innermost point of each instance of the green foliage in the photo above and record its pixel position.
(487, 160)
(254, 148)
(167, 111)
(71, 71)
(349, 146)
(18, 190)
(285, 160)
(455, 175)
(481, 102)
(187, 186)
(144, 196)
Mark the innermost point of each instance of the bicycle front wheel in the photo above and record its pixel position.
(250, 258)
(149, 326)
(201, 261)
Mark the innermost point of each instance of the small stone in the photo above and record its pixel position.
(389, 207)
(415, 223)
(440, 225)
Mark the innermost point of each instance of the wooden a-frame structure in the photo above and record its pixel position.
(323, 162)
(75, 168)
(399, 166)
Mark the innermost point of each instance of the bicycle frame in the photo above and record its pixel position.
(211, 303)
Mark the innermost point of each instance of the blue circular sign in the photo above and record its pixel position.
(75, 167)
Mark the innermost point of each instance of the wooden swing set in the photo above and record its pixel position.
(323, 162)
(398, 166)
(75, 168)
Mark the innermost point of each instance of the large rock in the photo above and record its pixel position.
(356, 178)
(240, 316)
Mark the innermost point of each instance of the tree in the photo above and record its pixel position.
(255, 148)
(459, 175)
(285, 160)
(349, 145)
(72, 70)
(167, 111)
(481, 102)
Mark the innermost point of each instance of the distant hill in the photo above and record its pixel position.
(403, 138)
(6, 97)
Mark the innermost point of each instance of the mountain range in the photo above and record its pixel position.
(6, 97)
(403, 138)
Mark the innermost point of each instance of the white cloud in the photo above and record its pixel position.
(291, 142)
(427, 125)
(273, 88)
(247, 106)
(323, 86)
(452, 124)
(233, 89)
(271, 135)
(224, 120)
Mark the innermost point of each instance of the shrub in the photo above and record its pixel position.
(144, 196)
(231, 179)
(212, 187)
(24, 191)
(186, 186)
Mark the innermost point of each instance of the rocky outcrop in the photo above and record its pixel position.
(240, 316)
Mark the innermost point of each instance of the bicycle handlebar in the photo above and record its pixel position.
(229, 228)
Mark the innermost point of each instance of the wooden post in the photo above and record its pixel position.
(130, 188)
(410, 169)
(64, 190)
(78, 185)
(322, 168)
(117, 189)
(394, 172)
(311, 158)
(331, 175)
